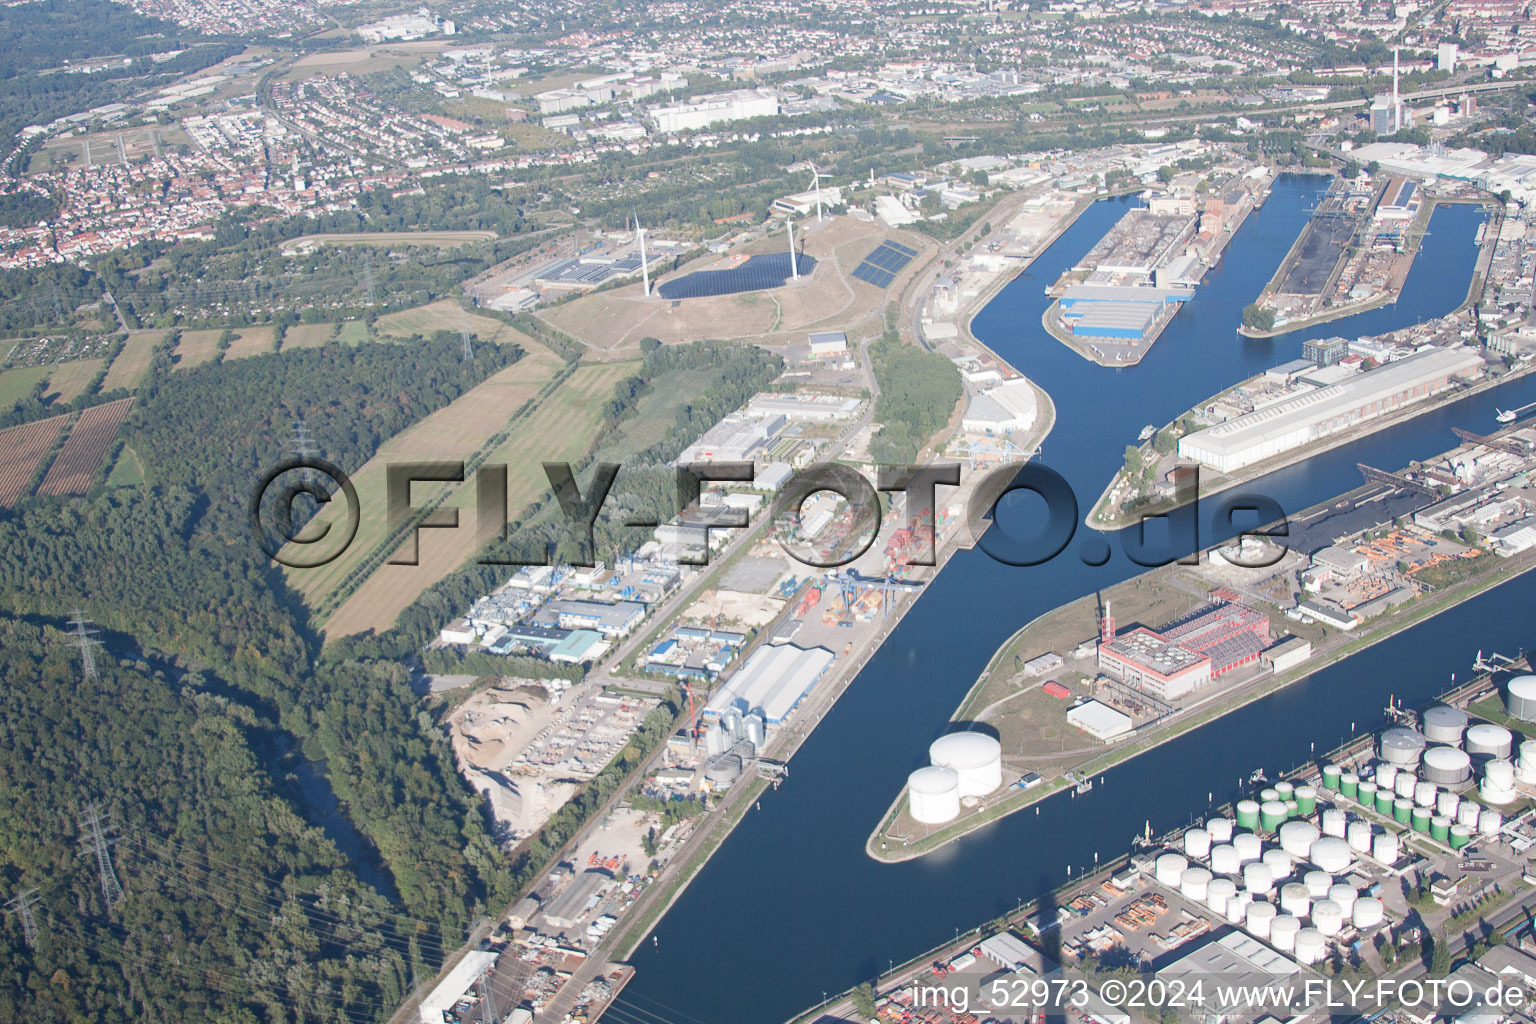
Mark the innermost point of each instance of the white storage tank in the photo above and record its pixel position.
(1294, 899)
(1334, 822)
(1386, 774)
(1237, 908)
(1279, 863)
(1489, 740)
(1489, 823)
(1368, 912)
(933, 795)
(1447, 766)
(1467, 814)
(1220, 830)
(1344, 895)
(1520, 698)
(1259, 879)
(1248, 846)
(1331, 855)
(1446, 802)
(1318, 883)
(1401, 746)
(1387, 848)
(1527, 762)
(1424, 794)
(974, 756)
(1197, 843)
(1407, 782)
(1360, 836)
(1217, 893)
(1170, 869)
(1328, 917)
(1258, 918)
(1194, 884)
(1444, 724)
(1224, 859)
(1282, 932)
(1310, 946)
(1297, 837)
(1498, 783)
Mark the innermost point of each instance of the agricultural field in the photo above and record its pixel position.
(80, 458)
(443, 315)
(196, 348)
(250, 341)
(128, 471)
(353, 332)
(560, 428)
(455, 432)
(21, 451)
(68, 381)
(308, 335)
(18, 383)
(133, 361)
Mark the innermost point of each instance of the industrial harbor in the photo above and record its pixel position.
(1402, 848)
(1111, 675)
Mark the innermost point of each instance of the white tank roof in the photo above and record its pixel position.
(962, 750)
(1523, 687)
(933, 781)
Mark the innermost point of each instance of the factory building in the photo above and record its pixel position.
(1099, 720)
(1118, 312)
(736, 438)
(772, 682)
(712, 109)
(1317, 414)
(1003, 409)
(466, 974)
(610, 620)
(1170, 662)
(1399, 202)
(578, 898)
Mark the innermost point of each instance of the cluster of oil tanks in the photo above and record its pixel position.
(1287, 890)
(963, 767)
(1450, 752)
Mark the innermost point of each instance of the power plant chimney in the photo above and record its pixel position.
(1107, 626)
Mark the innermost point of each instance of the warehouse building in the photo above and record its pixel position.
(1008, 407)
(1117, 311)
(455, 988)
(1289, 424)
(611, 620)
(578, 899)
(1099, 720)
(772, 683)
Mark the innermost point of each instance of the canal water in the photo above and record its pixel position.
(791, 907)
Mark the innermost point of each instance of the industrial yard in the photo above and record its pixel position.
(1102, 678)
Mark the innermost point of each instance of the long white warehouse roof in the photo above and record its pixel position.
(773, 681)
(1264, 432)
(456, 985)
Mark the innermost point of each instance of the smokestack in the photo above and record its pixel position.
(1107, 625)
(1397, 114)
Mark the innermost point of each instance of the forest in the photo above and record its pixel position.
(918, 392)
(209, 670)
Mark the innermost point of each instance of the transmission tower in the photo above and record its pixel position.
(96, 839)
(303, 443)
(489, 1014)
(23, 905)
(83, 631)
(464, 333)
(58, 308)
(368, 277)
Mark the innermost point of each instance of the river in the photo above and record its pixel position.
(791, 907)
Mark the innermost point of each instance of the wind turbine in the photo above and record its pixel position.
(645, 270)
(794, 264)
(816, 177)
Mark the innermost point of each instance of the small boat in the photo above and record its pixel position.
(1258, 777)
(1086, 786)
(1146, 432)
(1505, 416)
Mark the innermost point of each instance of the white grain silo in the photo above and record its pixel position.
(1170, 869)
(1520, 698)
(933, 795)
(974, 756)
(1297, 837)
(1488, 740)
(1331, 855)
(1498, 783)
(1258, 918)
(1368, 913)
(1282, 932)
(1259, 879)
(1443, 724)
(1197, 843)
(1328, 917)
(1224, 859)
(1311, 946)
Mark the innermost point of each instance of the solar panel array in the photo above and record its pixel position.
(766, 271)
(573, 271)
(880, 267)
